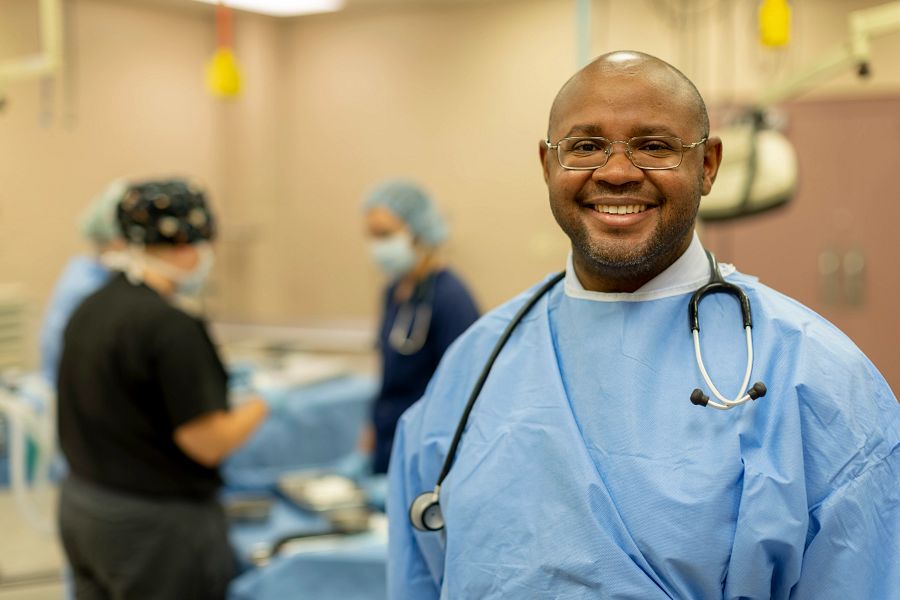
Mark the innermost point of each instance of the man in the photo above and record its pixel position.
(585, 471)
(143, 415)
(84, 274)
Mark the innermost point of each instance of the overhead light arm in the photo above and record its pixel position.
(50, 60)
(863, 24)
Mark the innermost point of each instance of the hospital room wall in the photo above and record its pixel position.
(456, 95)
(452, 94)
(133, 105)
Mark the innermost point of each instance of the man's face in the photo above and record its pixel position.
(621, 252)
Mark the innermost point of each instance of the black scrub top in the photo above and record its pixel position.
(133, 369)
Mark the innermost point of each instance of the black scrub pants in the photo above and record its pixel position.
(126, 547)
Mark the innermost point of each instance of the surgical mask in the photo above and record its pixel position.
(394, 255)
(187, 283)
(195, 280)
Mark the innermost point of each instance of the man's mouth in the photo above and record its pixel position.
(612, 209)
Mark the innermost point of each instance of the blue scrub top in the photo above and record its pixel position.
(404, 377)
(82, 276)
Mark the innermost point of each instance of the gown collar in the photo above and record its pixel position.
(686, 274)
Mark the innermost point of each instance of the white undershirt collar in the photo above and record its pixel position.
(686, 274)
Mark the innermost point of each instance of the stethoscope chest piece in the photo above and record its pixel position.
(425, 512)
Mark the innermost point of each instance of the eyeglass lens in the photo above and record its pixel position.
(653, 152)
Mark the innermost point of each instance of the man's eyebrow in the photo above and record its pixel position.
(589, 129)
(654, 129)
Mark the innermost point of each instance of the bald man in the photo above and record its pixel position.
(586, 464)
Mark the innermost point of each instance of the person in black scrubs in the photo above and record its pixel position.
(143, 415)
(426, 306)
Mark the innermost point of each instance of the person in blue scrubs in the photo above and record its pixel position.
(84, 274)
(585, 470)
(426, 306)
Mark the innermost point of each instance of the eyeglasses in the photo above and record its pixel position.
(649, 152)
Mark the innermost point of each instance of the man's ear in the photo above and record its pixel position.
(712, 159)
(542, 152)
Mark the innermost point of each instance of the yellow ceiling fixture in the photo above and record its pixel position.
(284, 8)
(223, 79)
(774, 23)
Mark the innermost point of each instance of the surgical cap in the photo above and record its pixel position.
(411, 204)
(170, 211)
(99, 223)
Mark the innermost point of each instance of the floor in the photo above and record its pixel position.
(31, 562)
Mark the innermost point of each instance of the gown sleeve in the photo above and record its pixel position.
(854, 545)
(409, 574)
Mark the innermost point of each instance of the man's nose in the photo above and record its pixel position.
(618, 169)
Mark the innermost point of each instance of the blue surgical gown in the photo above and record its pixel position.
(586, 472)
(82, 276)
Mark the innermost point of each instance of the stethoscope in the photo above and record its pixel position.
(410, 328)
(425, 511)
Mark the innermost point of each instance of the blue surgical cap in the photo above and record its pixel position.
(411, 204)
(99, 223)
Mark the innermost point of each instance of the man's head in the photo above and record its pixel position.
(620, 96)
(168, 223)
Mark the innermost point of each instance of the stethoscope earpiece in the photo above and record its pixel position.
(699, 398)
(425, 512)
(757, 391)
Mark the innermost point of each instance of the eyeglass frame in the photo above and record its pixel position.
(628, 150)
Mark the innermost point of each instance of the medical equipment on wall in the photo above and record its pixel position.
(759, 165)
(758, 171)
(50, 61)
(410, 329)
(30, 409)
(425, 510)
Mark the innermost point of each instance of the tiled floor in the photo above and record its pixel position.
(31, 562)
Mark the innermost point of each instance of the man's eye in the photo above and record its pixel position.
(656, 147)
(584, 146)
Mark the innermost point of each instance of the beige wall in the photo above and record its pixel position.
(454, 94)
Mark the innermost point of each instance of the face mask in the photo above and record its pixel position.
(187, 283)
(193, 281)
(394, 255)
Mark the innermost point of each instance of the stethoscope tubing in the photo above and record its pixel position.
(482, 378)
(742, 395)
(430, 501)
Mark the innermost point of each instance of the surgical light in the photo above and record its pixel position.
(283, 8)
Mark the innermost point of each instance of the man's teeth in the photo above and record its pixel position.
(620, 210)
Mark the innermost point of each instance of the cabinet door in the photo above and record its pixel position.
(836, 246)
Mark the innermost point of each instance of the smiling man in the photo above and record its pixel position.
(588, 462)
(630, 214)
